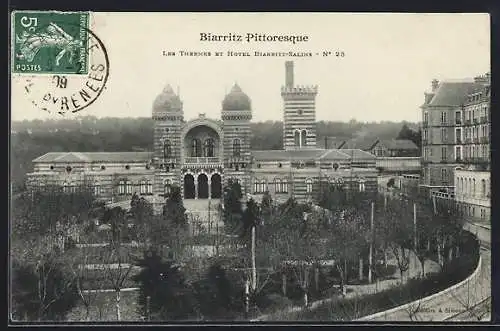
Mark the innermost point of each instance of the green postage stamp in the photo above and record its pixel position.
(50, 42)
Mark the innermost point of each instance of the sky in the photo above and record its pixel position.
(389, 62)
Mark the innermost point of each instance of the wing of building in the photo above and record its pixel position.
(456, 130)
(201, 155)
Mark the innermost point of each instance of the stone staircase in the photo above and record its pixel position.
(204, 212)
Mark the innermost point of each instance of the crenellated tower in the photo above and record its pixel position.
(236, 115)
(299, 116)
(168, 116)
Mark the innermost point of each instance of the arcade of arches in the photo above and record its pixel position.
(202, 186)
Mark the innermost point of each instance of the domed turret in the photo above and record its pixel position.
(236, 100)
(167, 101)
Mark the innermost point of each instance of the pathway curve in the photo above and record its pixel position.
(452, 303)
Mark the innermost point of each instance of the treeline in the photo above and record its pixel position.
(31, 139)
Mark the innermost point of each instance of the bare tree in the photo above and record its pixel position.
(117, 264)
(80, 265)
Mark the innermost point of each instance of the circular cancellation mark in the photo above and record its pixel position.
(59, 91)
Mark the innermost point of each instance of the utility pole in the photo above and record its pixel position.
(254, 271)
(415, 243)
(217, 233)
(247, 299)
(370, 256)
(209, 221)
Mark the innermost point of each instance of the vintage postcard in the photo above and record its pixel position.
(220, 167)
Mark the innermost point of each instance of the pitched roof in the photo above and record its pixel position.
(282, 155)
(68, 157)
(398, 144)
(310, 154)
(358, 154)
(451, 93)
(362, 143)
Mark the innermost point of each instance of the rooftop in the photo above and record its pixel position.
(453, 93)
(76, 157)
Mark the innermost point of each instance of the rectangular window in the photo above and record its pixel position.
(443, 154)
(149, 188)
(458, 136)
(426, 117)
(443, 135)
(128, 187)
(426, 134)
(121, 187)
(458, 117)
(444, 174)
(284, 186)
(443, 117)
(458, 154)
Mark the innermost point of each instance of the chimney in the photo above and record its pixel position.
(435, 84)
(289, 74)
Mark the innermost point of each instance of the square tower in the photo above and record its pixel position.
(299, 116)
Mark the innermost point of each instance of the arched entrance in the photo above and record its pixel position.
(216, 186)
(202, 186)
(189, 189)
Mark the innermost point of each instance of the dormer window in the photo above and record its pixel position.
(68, 169)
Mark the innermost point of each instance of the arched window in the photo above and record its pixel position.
(149, 188)
(469, 190)
(97, 189)
(166, 187)
(309, 185)
(72, 187)
(297, 138)
(264, 186)
(284, 186)
(167, 149)
(142, 187)
(277, 185)
(236, 148)
(483, 188)
(256, 186)
(128, 187)
(65, 187)
(303, 138)
(196, 148)
(462, 188)
(474, 187)
(209, 147)
(361, 186)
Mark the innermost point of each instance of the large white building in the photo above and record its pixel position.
(201, 155)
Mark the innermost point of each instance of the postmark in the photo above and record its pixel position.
(68, 82)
